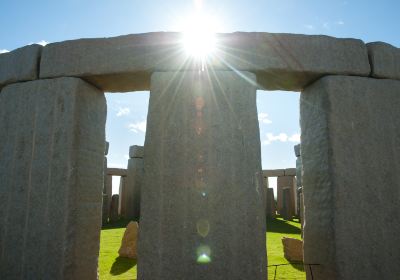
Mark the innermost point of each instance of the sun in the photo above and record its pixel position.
(199, 40)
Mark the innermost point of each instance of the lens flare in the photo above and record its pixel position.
(199, 40)
(204, 255)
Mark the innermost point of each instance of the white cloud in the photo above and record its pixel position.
(4, 51)
(309, 26)
(138, 127)
(340, 22)
(41, 42)
(326, 25)
(123, 111)
(281, 137)
(263, 118)
(295, 138)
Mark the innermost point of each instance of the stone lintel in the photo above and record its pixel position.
(290, 172)
(280, 61)
(117, 172)
(273, 172)
(20, 65)
(385, 60)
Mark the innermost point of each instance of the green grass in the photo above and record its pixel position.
(113, 267)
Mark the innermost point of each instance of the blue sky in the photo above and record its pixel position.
(25, 22)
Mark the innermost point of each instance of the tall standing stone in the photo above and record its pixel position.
(133, 184)
(121, 206)
(202, 214)
(271, 207)
(51, 174)
(114, 208)
(284, 182)
(350, 149)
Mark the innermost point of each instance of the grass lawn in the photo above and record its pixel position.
(113, 267)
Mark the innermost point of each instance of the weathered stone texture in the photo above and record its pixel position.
(128, 247)
(203, 193)
(290, 172)
(280, 61)
(136, 151)
(271, 206)
(51, 174)
(132, 190)
(117, 172)
(351, 176)
(292, 249)
(385, 60)
(20, 65)
(274, 172)
(290, 183)
(297, 150)
(114, 208)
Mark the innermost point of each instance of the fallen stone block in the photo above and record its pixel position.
(128, 247)
(292, 249)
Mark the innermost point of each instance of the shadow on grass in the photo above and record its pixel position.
(122, 265)
(122, 223)
(280, 226)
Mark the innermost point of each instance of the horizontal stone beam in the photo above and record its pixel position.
(279, 172)
(20, 65)
(385, 60)
(280, 61)
(117, 172)
(290, 172)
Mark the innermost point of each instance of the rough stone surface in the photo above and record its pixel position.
(122, 197)
(117, 172)
(105, 210)
(292, 249)
(385, 60)
(282, 183)
(271, 207)
(280, 61)
(350, 148)
(107, 147)
(51, 174)
(136, 151)
(297, 150)
(273, 172)
(114, 208)
(202, 176)
(108, 191)
(133, 186)
(20, 65)
(128, 247)
(290, 172)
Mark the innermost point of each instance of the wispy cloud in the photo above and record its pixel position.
(123, 111)
(138, 127)
(281, 137)
(4, 51)
(41, 42)
(309, 26)
(340, 22)
(263, 118)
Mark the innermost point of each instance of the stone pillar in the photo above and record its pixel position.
(51, 174)
(108, 191)
(271, 207)
(133, 183)
(350, 149)
(300, 209)
(105, 207)
(114, 208)
(282, 183)
(121, 206)
(202, 214)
